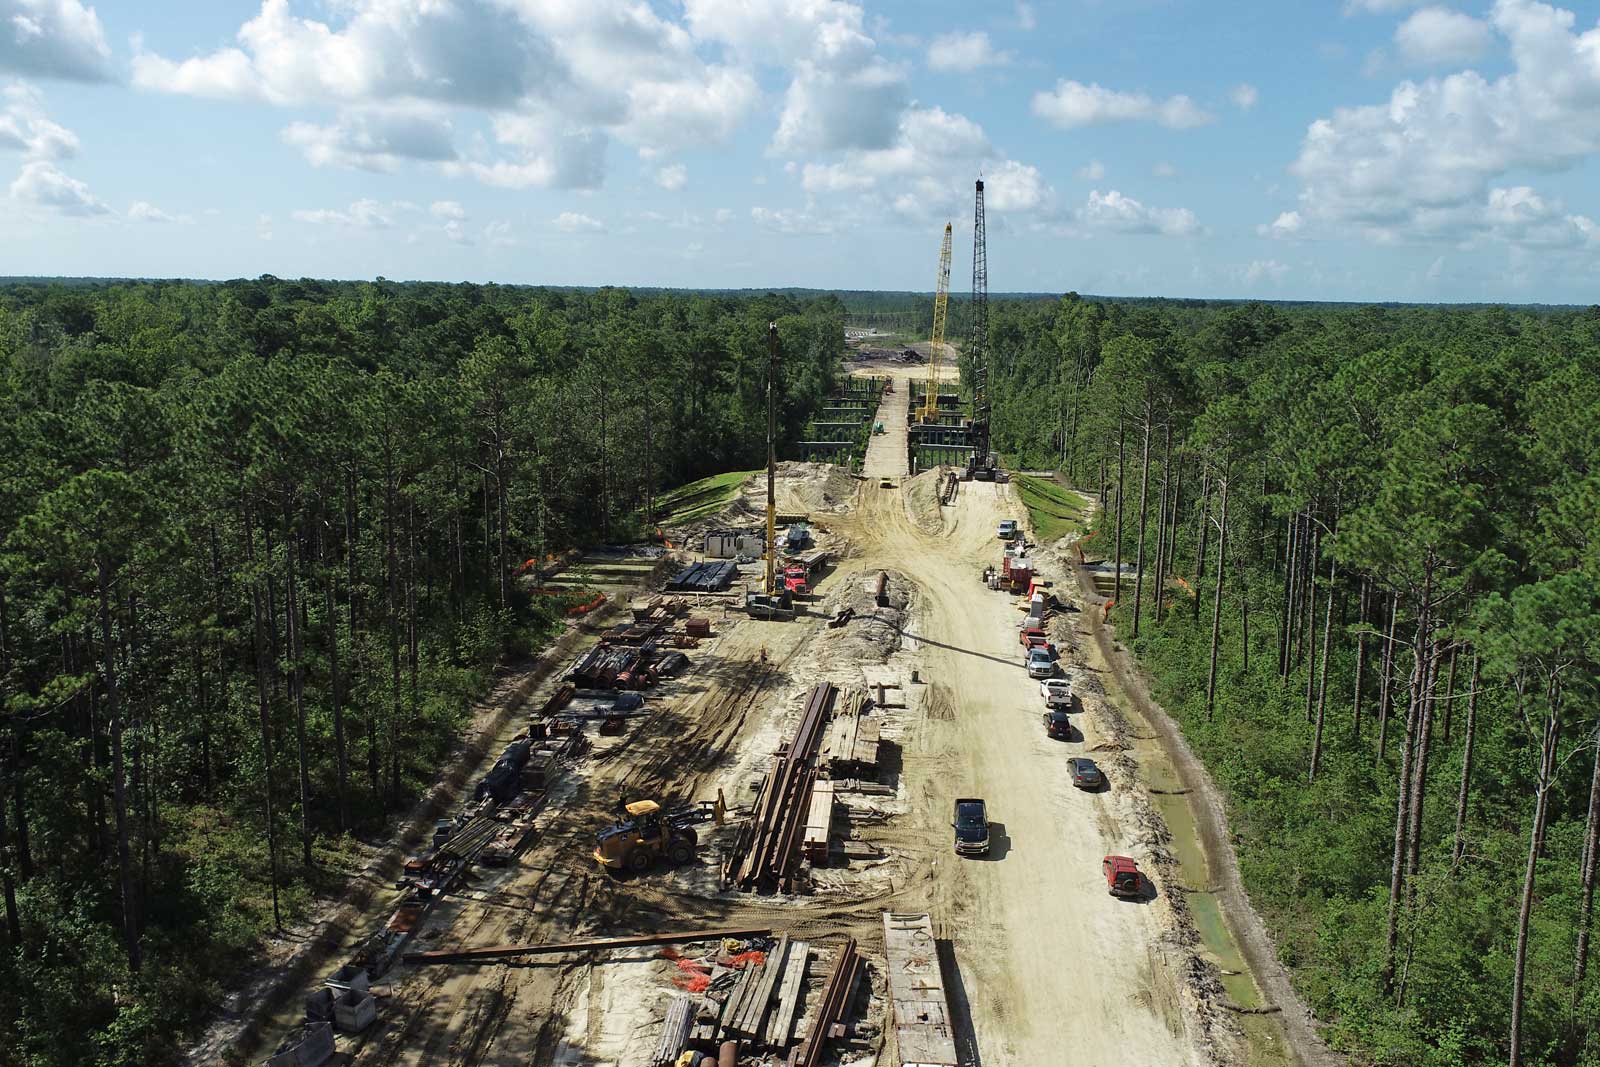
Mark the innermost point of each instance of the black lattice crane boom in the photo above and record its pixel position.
(978, 343)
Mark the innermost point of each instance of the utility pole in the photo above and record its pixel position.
(772, 457)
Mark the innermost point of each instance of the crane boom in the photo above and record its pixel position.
(941, 303)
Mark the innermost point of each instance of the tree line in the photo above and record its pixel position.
(1358, 557)
(259, 547)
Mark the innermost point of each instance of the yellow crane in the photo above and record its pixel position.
(929, 412)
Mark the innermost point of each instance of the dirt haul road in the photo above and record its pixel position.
(1055, 969)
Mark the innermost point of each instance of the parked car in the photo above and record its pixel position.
(1040, 663)
(971, 826)
(1122, 876)
(1057, 692)
(1057, 724)
(671, 664)
(1007, 529)
(1085, 775)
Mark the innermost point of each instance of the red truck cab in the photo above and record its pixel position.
(794, 580)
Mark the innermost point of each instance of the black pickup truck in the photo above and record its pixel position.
(972, 826)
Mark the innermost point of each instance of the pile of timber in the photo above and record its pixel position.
(828, 1021)
(763, 1003)
(852, 742)
(921, 1014)
(766, 854)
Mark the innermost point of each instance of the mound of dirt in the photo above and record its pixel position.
(922, 499)
(811, 487)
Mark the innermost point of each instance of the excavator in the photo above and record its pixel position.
(648, 833)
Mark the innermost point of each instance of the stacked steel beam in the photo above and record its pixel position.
(766, 853)
(829, 1020)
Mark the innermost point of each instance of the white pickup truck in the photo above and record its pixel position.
(1057, 693)
(1007, 529)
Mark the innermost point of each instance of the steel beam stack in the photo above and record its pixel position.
(766, 853)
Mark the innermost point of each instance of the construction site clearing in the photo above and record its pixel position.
(746, 858)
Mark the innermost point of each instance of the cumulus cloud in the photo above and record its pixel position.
(364, 214)
(1114, 211)
(1437, 35)
(1287, 224)
(1092, 171)
(53, 39)
(1422, 164)
(41, 185)
(143, 211)
(826, 110)
(581, 72)
(447, 209)
(377, 140)
(1072, 104)
(577, 222)
(672, 177)
(24, 127)
(965, 51)
(1244, 96)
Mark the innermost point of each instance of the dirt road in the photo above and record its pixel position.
(1049, 960)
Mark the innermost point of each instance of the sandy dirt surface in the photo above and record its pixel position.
(1045, 966)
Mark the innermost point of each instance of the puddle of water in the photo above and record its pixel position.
(1219, 944)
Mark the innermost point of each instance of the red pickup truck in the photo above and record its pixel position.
(1034, 637)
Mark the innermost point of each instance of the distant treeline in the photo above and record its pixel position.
(1367, 555)
(257, 548)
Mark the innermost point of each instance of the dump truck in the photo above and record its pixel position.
(649, 833)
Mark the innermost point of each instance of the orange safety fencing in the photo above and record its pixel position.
(584, 609)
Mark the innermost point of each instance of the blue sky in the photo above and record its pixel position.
(1348, 150)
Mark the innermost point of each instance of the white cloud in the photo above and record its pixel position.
(1437, 35)
(1421, 165)
(42, 185)
(579, 72)
(672, 177)
(1244, 96)
(1014, 186)
(53, 39)
(1287, 224)
(377, 140)
(826, 110)
(1025, 17)
(455, 231)
(144, 211)
(1265, 270)
(577, 222)
(264, 227)
(782, 31)
(1092, 171)
(447, 209)
(790, 222)
(24, 127)
(363, 214)
(964, 51)
(1114, 211)
(499, 234)
(1072, 104)
(1164, 170)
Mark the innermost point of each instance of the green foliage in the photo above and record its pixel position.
(1055, 511)
(270, 509)
(1440, 462)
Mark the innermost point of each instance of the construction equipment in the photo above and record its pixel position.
(981, 463)
(649, 833)
(772, 461)
(929, 412)
(758, 605)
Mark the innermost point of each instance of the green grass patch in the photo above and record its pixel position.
(699, 499)
(1056, 511)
